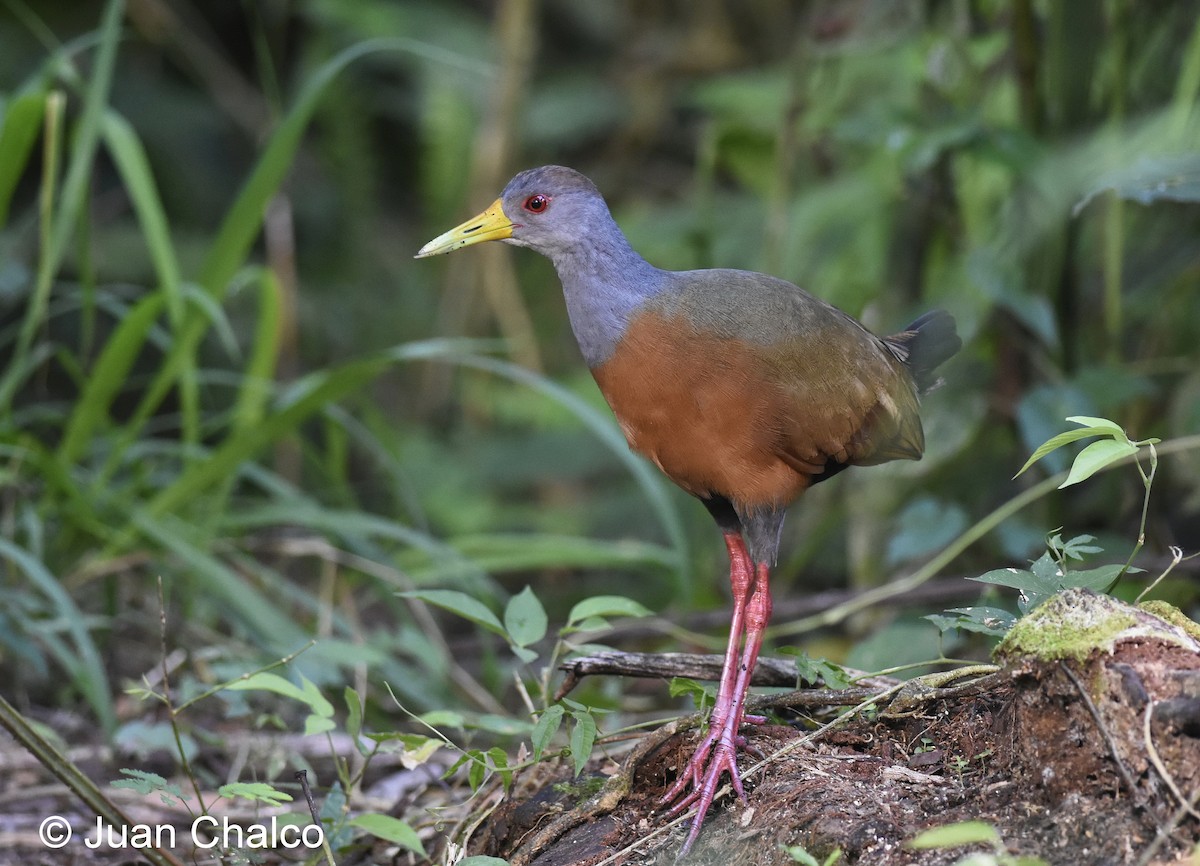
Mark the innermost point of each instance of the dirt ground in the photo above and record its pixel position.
(1077, 757)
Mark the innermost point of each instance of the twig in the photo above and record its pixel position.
(767, 672)
(1103, 728)
(302, 777)
(1176, 558)
(1160, 766)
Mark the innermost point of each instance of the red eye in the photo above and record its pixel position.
(537, 203)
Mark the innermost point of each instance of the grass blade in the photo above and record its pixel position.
(90, 677)
(22, 121)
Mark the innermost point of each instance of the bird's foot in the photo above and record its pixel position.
(697, 783)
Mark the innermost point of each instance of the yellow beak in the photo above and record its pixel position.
(491, 225)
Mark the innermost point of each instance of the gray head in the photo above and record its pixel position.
(553, 210)
(559, 213)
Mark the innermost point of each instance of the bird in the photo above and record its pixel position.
(742, 388)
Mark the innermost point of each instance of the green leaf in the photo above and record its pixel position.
(142, 781)
(21, 125)
(583, 737)
(1080, 546)
(460, 603)
(1099, 424)
(1066, 438)
(481, 860)
(84, 665)
(800, 855)
(984, 619)
(390, 829)
(1099, 579)
(954, 835)
(477, 770)
(256, 792)
(606, 605)
(545, 729)
(500, 762)
(1095, 457)
(354, 712)
(525, 618)
(817, 670)
(1150, 178)
(314, 724)
(702, 696)
(307, 693)
(108, 376)
(130, 158)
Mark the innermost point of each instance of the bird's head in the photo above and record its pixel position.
(548, 209)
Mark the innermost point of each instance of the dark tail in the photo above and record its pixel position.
(924, 345)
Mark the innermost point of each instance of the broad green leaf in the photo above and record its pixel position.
(525, 618)
(583, 737)
(954, 835)
(1150, 178)
(606, 605)
(701, 695)
(316, 701)
(524, 654)
(1095, 457)
(985, 619)
(477, 769)
(500, 762)
(1099, 579)
(1014, 578)
(545, 729)
(459, 603)
(1099, 423)
(481, 860)
(267, 681)
(315, 724)
(1065, 438)
(390, 829)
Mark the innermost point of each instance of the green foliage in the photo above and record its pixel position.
(800, 855)
(971, 833)
(389, 829)
(816, 671)
(144, 783)
(1115, 446)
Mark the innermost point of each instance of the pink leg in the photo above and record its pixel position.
(703, 773)
(740, 575)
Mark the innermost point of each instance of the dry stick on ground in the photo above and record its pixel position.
(69, 774)
(768, 671)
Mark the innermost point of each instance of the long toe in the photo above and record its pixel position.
(724, 760)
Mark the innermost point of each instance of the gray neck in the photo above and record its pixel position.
(604, 282)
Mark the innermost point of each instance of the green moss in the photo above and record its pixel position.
(1071, 625)
(1170, 613)
(582, 789)
(1078, 622)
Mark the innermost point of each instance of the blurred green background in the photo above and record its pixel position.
(222, 368)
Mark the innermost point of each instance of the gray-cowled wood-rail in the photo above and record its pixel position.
(742, 388)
